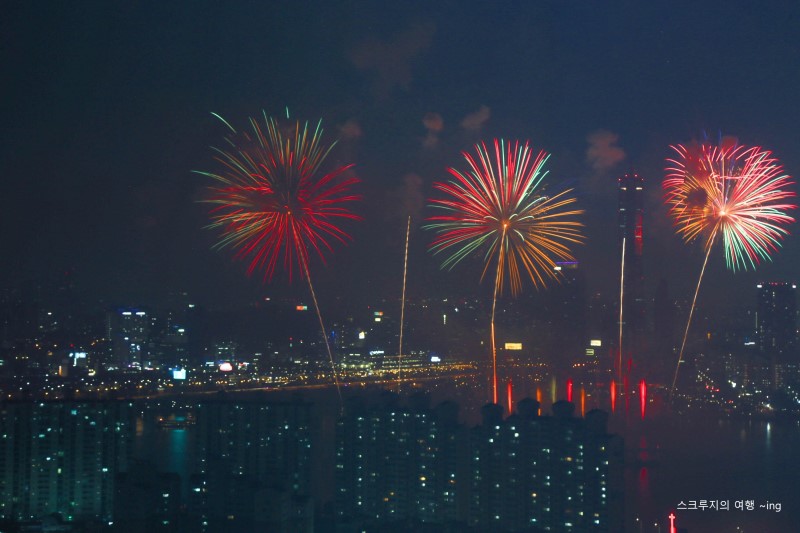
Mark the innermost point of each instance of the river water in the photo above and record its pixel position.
(673, 459)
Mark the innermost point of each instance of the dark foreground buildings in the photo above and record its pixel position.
(98, 466)
(248, 466)
(253, 467)
(398, 465)
(62, 458)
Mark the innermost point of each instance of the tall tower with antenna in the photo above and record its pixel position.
(631, 235)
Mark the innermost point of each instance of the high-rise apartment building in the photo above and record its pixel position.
(552, 473)
(409, 464)
(146, 500)
(252, 466)
(62, 457)
(398, 463)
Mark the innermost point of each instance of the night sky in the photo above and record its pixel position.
(107, 110)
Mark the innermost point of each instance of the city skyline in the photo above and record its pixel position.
(139, 362)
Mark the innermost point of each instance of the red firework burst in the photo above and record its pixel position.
(272, 203)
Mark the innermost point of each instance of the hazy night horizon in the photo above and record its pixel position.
(456, 203)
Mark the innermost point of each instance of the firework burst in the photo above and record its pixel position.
(728, 192)
(272, 204)
(732, 191)
(495, 206)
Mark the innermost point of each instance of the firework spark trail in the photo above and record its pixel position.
(691, 312)
(494, 307)
(621, 294)
(324, 335)
(403, 308)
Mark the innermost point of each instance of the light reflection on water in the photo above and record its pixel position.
(697, 460)
(169, 450)
(768, 440)
(176, 446)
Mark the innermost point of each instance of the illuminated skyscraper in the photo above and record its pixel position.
(129, 330)
(631, 233)
(777, 318)
(777, 329)
(567, 312)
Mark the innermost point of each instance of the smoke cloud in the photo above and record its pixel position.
(434, 123)
(350, 130)
(603, 153)
(391, 59)
(475, 121)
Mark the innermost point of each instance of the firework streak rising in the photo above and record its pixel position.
(621, 298)
(496, 205)
(403, 308)
(731, 191)
(273, 206)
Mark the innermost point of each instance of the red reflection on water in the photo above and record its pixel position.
(569, 390)
(510, 395)
(539, 399)
(642, 396)
(613, 396)
(583, 401)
